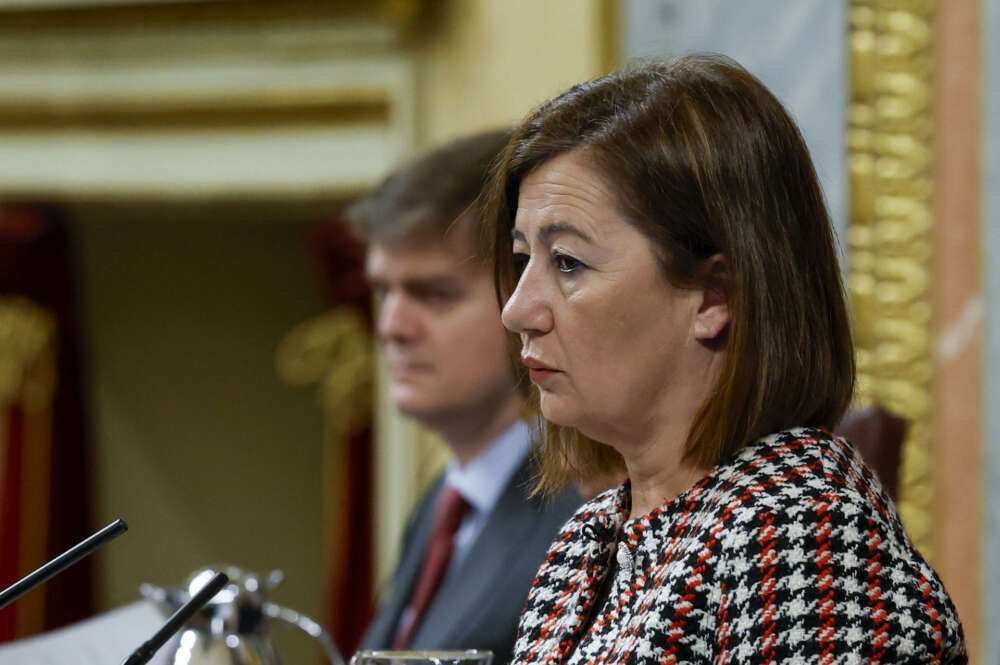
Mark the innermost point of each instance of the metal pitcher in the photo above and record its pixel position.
(233, 628)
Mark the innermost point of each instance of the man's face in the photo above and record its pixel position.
(439, 326)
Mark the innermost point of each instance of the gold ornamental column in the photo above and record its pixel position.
(913, 141)
(890, 136)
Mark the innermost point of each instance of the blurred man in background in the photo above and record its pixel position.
(474, 544)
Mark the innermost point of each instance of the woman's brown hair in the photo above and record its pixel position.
(705, 161)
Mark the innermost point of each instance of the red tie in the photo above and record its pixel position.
(449, 510)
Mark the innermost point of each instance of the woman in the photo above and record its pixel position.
(667, 261)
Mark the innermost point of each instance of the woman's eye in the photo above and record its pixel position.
(566, 264)
(520, 263)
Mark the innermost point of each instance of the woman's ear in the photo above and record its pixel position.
(713, 313)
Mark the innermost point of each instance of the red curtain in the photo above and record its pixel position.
(44, 450)
(349, 602)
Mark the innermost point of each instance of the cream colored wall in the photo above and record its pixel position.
(197, 444)
(485, 63)
(479, 64)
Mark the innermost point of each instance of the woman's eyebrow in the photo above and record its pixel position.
(550, 231)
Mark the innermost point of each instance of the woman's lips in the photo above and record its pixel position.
(538, 371)
(540, 375)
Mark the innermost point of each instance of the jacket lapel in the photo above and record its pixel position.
(467, 592)
(383, 630)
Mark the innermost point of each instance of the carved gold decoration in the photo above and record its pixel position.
(334, 351)
(27, 357)
(341, 108)
(68, 14)
(889, 143)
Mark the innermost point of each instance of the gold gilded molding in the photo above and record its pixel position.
(197, 114)
(889, 141)
(27, 355)
(143, 13)
(335, 352)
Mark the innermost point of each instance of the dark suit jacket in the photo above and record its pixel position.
(478, 604)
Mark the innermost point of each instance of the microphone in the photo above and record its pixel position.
(61, 562)
(603, 533)
(145, 652)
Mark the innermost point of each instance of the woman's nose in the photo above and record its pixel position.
(527, 311)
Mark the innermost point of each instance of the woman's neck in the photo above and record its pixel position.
(655, 451)
(654, 486)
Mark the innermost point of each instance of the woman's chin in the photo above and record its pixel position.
(557, 412)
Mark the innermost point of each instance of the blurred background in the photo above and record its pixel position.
(184, 337)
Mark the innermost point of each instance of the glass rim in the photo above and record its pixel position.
(424, 654)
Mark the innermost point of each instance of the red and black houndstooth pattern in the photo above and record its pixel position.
(789, 553)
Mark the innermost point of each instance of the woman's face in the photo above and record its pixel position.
(608, 341)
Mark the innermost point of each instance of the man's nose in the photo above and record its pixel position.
(397, 322)
(527, 311)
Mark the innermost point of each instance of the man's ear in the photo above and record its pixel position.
(713, 313)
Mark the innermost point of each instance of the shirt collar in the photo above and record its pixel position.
(482, 480)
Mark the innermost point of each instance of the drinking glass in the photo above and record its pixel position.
(413, 657)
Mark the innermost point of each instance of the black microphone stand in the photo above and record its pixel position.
(145, 652)
(61, 562)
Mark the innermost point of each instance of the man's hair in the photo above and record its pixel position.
(427, 194)
(704, 160)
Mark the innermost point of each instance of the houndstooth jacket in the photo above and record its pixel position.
(791, 552)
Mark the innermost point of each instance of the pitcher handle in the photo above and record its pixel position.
(307, 625)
